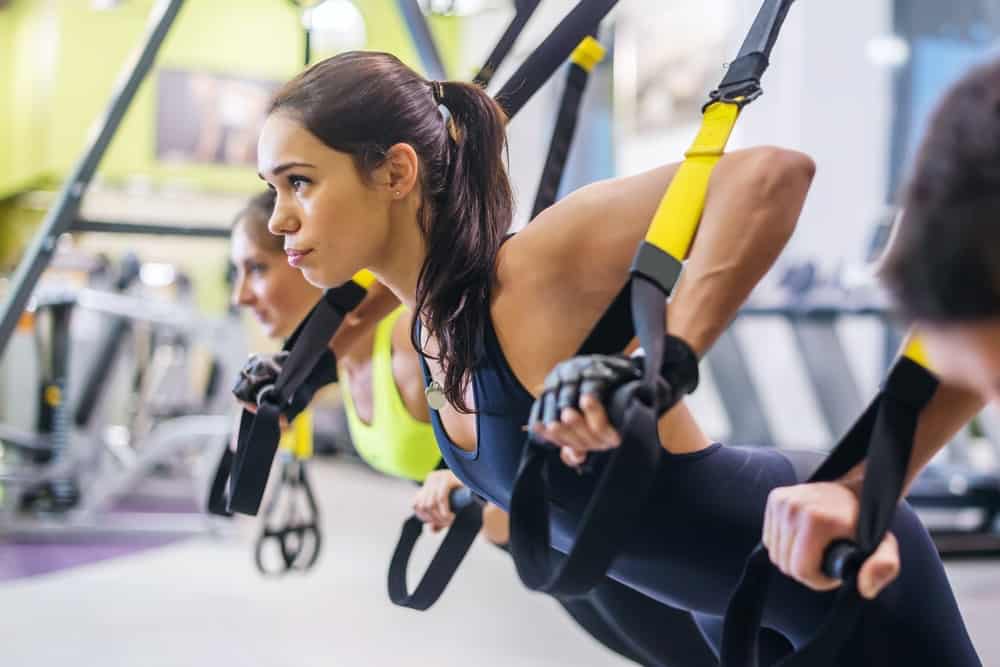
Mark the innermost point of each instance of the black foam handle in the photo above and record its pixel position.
(460, 498)
(842, 560)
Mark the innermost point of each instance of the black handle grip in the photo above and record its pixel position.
(842, 560)
(460, 498)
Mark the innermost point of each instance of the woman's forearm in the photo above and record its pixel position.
(950, 409)
(754, 201)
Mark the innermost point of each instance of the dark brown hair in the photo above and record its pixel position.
(944, 265)
(363, 103)
(254, 218)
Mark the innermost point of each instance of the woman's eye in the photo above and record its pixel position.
(297, 182)
(257, 269)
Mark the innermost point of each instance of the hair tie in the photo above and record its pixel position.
(437, 89)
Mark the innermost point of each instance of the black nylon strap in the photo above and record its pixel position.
(609, 516)
(468, 511)
(562, 139)
(884, 433)
(551, 54)
(260, 432)
(524, 9)
(217, 497)
(614, 508)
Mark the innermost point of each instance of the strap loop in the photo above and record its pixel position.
(468, 509)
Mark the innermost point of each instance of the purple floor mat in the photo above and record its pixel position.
(31, 559)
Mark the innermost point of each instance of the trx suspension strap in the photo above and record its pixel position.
(302, 373)
(583, 60)
(884, 435)
(551, 54)
(467, 507)
(524, 9)
(613, 510)
(309, 366)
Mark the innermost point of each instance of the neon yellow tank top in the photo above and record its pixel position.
(395, 443)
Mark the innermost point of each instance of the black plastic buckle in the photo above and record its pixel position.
(740, 94)
(741, 85)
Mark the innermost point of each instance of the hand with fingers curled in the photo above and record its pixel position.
(571, 413)
(260, 373)
(431, 504)
(802, 521)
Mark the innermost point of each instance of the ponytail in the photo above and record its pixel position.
(471, 215)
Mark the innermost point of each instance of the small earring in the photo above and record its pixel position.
(398, 194)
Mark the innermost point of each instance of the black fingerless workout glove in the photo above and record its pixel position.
(261, 371)
(678, 373)
(602, 375)
(258, 375)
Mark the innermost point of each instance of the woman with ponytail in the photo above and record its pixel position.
(376, 167)
(381, 383)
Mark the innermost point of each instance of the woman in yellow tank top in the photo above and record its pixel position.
(377, 389)
(380, 377)
(379, 370)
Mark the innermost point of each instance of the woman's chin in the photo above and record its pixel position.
(323, 280)
(316, 278)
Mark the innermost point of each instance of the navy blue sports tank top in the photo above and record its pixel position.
(502, 408)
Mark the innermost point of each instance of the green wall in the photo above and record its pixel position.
(28, 37)
(67, 58)
(60, 61)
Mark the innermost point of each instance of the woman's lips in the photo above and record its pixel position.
(295, 257)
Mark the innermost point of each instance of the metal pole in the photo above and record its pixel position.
(109, 227)
(420, 32)
(61, 216)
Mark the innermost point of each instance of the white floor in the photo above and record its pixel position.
(201, 603)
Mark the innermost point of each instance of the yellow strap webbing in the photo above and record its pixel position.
(588, 53)
(676, 220)
(914, 350)
(364, 277)
(298, 439)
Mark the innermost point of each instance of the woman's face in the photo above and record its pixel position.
(334, 221)
(966, 354)
(275, 292)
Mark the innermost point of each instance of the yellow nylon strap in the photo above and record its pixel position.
(588, 53)
(676, 221)
(914, 350)
(298, 439)
(364, 277)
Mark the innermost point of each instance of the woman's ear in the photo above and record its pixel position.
(399, 173)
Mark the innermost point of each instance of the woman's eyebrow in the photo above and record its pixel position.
(285, 166)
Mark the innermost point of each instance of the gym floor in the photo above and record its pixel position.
(199, 602)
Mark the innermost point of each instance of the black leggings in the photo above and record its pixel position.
(637, 627)
(640, 628)
(703, 519)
